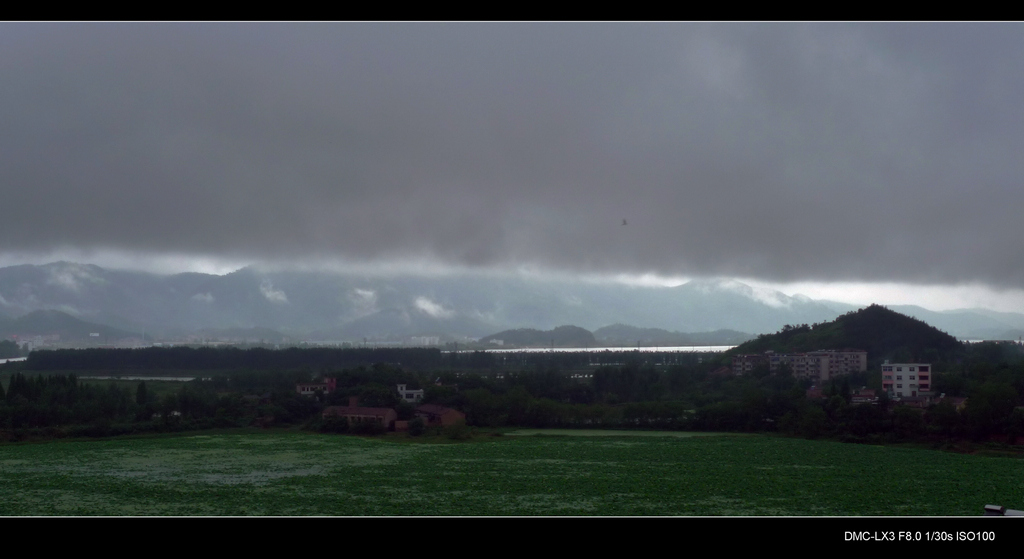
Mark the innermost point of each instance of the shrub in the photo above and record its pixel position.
(367, 428)
(417, 427)
(457, 432)
(334, 424)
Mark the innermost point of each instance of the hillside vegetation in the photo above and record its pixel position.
(883, 333)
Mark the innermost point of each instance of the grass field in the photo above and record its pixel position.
(295, 473)
(609, 433)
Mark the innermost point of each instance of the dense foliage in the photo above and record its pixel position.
(883, 333)
(225, 358)
(321, 360)
(680, 391)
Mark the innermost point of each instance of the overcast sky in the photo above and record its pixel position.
(828, 155)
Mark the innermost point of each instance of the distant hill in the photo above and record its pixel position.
(562, 336)
(621, 334)
(69, 328)
(250, 335)
(883, 333)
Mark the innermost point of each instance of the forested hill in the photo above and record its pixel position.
(883, 333)
(562, 336)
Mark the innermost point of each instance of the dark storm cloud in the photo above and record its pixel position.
(778, 151)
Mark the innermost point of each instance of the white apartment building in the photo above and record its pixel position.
(906, 379)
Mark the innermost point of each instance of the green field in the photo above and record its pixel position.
(609, 433)
(294, 473)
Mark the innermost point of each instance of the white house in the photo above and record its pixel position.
(409, 395)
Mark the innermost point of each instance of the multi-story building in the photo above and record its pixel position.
(821, 365)
(746, 363)
(906, 379)
(329, 385)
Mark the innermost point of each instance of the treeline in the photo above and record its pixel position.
(226, 358)
(325, 360)
(690, 399)
(54, 405)
(64, 405)
(636, 394)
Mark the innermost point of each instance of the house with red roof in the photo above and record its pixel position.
(433, 414)
(356, 414)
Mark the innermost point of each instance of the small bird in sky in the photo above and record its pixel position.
(623, 221)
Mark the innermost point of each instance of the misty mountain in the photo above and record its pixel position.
(69, 328)
(623, 335)
(969, 323)
(332, 306)
(239, 335)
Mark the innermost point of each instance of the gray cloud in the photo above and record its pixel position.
(777, 151)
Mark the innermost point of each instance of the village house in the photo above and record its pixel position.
(745, 363)
(864, 396)
(310, 388)
(721, 371)
(433, 414)
(356, 414)
(409, 395)
(958, 403)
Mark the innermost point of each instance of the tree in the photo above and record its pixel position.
(405, 411)
(457, 431)
(1015, 428)
(417, 427)
(141, 396)
(377, 395)
(989, 408)
(907, 422)
(944, 418)
(9, 349)
(883, 401)
(834, 406)
(334, 424)
(813, 422)
(372, 428)
(16, 387)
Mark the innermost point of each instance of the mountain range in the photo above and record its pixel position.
(338, 306)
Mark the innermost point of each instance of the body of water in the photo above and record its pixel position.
(175, 379)
(682, 349)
